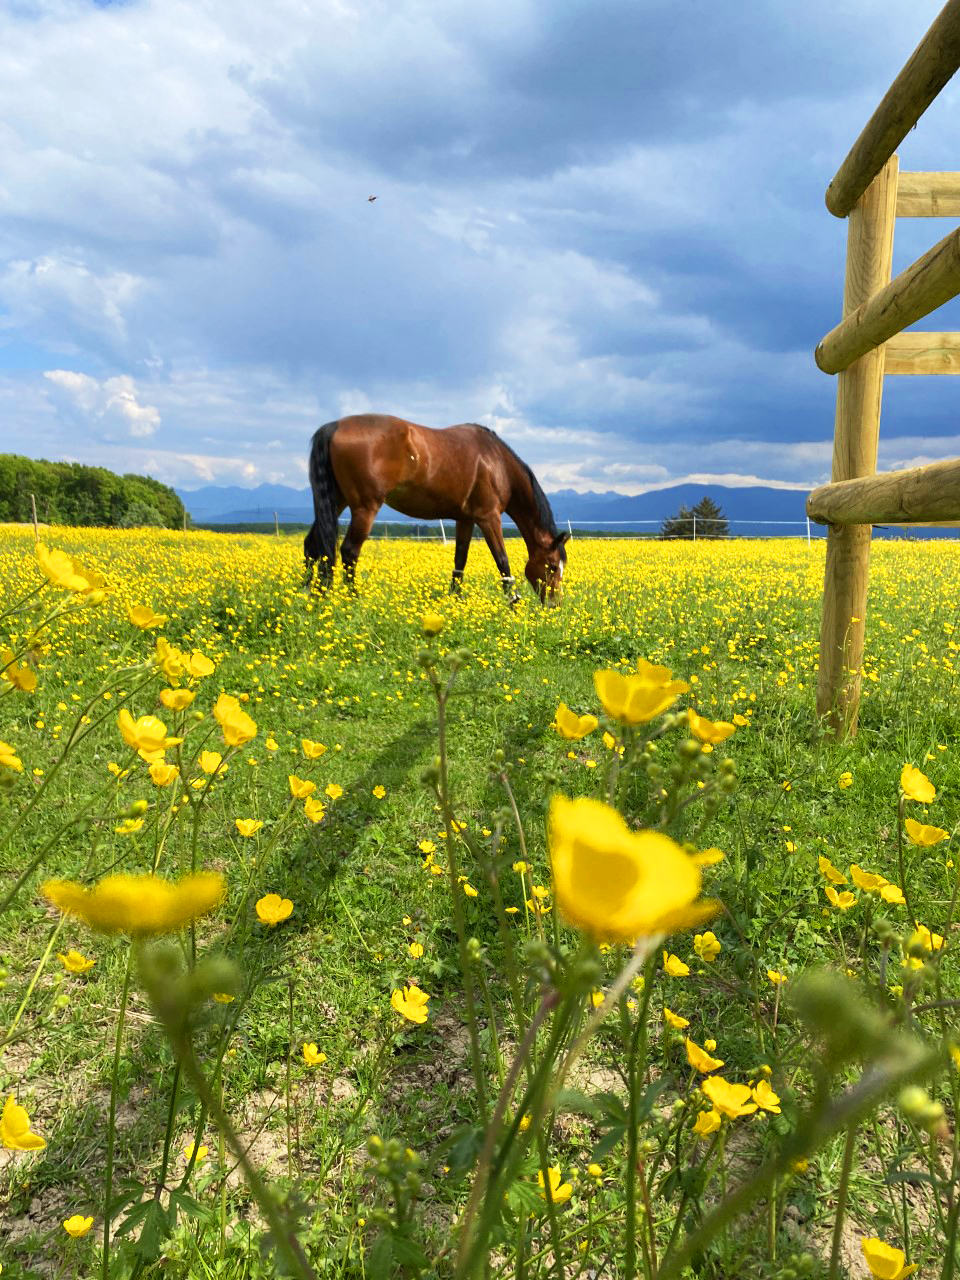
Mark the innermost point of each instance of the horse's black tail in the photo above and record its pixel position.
(321, 542)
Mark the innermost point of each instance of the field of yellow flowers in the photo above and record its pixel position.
(392, 934)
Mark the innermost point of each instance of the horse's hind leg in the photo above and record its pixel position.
(361, 522)
(311, 554)
(464, 534)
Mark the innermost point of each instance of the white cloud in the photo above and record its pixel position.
(105, 405)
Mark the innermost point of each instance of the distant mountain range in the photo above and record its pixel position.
(232, 505)
(751, 510)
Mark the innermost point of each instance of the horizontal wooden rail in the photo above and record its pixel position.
(917, 352)
(928, 195)
(925, 285)
(919, 495)
(931, 65)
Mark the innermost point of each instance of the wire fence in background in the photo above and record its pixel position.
(648, 530)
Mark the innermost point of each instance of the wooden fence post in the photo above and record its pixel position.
(859, 389)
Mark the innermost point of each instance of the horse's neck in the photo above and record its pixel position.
(522, 510)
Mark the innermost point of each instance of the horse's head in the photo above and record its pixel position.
(545, 569)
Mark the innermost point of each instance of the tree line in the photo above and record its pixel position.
(69, 493)
(705, 520)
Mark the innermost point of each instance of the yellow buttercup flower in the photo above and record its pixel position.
(247, 826)
(15, 1128)
(210, 761)
(778, 979)
(674, 967)
(236, 726)
(202, 1152)
(139, 905)
(142, 616)
(916, 785)
(333, 790)
(9, 758)
(162, 774)
(571, 726)
(707, 1122)
(171, 661)
(560, 1191)
(765, 1098)
(177, 699)
(379, 792)
(22, 678)
(830, 871)
(199, 665)
(129, 827)
(411, 1003)
(709, 857)
(74, 962)
(846, 780)
(731, 1100)
(432, 623)
(223, 997)
(300, 788)
(711, 731)
(77, 1225)
(64, 571)
(312, 750)
(416, 950)
(312, 1057)
(919, 833)
(314, 809)
(707, 946)
(637, 699)
(273, 910)
(148, 735)
(616, 884)
(843, 900)
(893, 894)
(674, 1020)
(866, 880)
(700, 1060)
(886, 1262)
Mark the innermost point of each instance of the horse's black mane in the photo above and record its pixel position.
(544, 511)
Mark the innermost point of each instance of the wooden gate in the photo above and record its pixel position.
(870, 191)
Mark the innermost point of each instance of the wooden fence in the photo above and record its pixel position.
(871, 193)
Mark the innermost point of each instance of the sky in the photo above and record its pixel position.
(599, 229)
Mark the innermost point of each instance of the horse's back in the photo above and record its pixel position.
(425, 472)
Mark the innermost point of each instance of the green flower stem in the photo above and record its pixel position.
(8, 1038)
(636, 1073)
(484, 1171)
(816, 1125)
(506, 941)
(73, 739)
(842, 1189)
(901, 865)
(453, 871)
(168, 1134)
(112, 1119)
(285, 1238)
(288, 1089)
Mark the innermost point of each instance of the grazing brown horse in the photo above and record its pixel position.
(465, 473)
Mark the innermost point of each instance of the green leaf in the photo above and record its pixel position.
(608, 1142)
(572, 1100)
(380, 1257)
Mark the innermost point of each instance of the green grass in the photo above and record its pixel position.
(345, 672)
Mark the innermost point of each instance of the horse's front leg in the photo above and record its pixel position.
(464, 534)
(493, 533)
(361, 522)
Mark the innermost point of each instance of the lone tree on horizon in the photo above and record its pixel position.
(706, 519)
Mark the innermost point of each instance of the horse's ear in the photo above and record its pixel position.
(560, 540)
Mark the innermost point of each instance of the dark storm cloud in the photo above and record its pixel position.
(599, 227)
